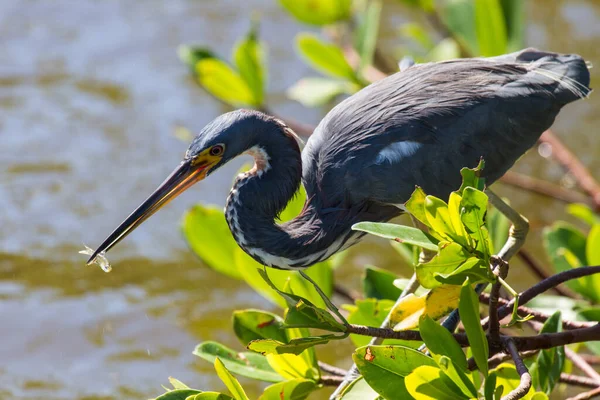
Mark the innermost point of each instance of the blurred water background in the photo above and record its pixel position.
(90, 95)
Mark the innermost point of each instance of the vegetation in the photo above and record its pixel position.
(413, 356)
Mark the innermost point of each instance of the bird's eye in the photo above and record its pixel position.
(216, 150)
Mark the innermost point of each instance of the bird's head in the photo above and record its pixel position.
(221, 140)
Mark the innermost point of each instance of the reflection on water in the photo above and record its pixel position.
(90, 93)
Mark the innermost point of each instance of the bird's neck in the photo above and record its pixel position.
(258, 197)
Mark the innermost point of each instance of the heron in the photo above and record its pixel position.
(417, 127)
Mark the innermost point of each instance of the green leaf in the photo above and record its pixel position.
(250, 325)
(401, 233)
(457, 376)
(316, 92)
(449, 258)
(211, 396)
(459, 17)
(385, 367)
(247, 364)
(366, 33)
(295, 389)
(508, 377)
(549, 363)
(440, 342)
(206, 232)
(294, 346)
(471, 177)
(379, 284)
(249, 58)
(438, 217)
(474, 205)
(592, 248)
(309, 356)
(359, 389)
(318, 12)
(491, 31)
(190, 55)
(177, 384)
(583, 213)
(468, 308)
(229, 380)
(370, 312)
(514, 19)
(473, 268)
(416, 205)
(426, 383)
(490, 386)
(324, 57)
(178, 394)
(498, 226)
(220, 80)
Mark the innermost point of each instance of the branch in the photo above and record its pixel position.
(541, 273)
(569, 161)
(578, 380)
(549, 340)
(587, 395)
(544, 188)
(331, 380)
(540, 316)
(580, 363)
(498, 359)
(544, 285)
(520, 391)
(330, 369)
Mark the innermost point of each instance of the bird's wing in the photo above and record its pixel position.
(420, 126)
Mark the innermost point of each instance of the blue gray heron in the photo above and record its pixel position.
(418, 127)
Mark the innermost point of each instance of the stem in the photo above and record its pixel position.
(578, 380)
(582, 365)
(587, 395)
(520, 391)
(541, 273)
(330, 369)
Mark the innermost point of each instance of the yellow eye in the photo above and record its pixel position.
(217, 150)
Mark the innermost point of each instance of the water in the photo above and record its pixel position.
(90, 94)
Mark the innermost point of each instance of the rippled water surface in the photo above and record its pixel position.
(90, 94)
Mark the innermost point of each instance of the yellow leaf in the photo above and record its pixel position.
(437, 303)
(290, 366)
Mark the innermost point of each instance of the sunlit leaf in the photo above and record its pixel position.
(248, 364)
(508, 377)
(220, 80)
(385, 367)
(426, 383)
(592, 248)
(178, 394)
(210, 396)
(455, 376)
(468, 308)
(324, 57)
(250, 325)
(318, 12)
(292, 366)
(359, 389)
(437, 303)
(450, 257)
(229, 380)
(583, 213)
(438, 217)
(249, 57)
(405, 234)
(190, 55)
(471, 177)
(206, 232)
(490, 28)
(295, 389)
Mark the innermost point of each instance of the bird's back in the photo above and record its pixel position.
(420, 126)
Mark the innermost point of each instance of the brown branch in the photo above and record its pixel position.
(544, 188)
(330, 369)
(541, 273)
(498, 359)
(586, 395)
(549, 340)
(543, 286)
(331, 380)
(569, 161)
(580, 363)
(590, 358)
(577, 380)
(520, 391)
(540, 316)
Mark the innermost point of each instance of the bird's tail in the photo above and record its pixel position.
(566, 75)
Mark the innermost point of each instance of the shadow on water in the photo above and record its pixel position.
(90, 93)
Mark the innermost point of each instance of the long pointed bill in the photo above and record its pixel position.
(182, 178)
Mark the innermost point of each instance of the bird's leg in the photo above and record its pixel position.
(411, 287)
(516, 238)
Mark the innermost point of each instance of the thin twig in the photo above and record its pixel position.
(586, 395)
(577, 380)
(331, 369)
(580, 363)
(541, 273)
(568, 160)
(549, 340)
(540, 316)
(501, 270)
(590, 358)
(331, 380)
(520, 391)
(543, 286)
(498, 359)
(544, 188)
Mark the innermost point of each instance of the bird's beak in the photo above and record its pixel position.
(181, 179)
